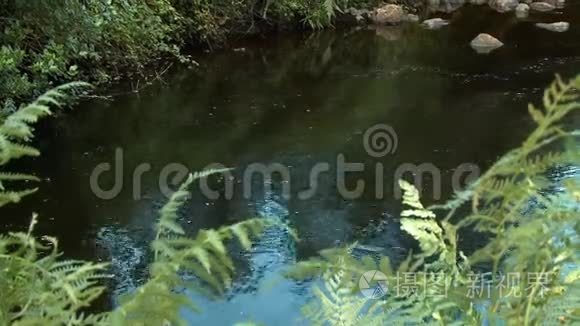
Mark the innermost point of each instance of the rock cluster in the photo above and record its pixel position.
(391, 14)
(394, 14)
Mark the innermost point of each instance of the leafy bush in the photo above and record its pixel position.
(13, 83)
(47, 42)
(50, 42)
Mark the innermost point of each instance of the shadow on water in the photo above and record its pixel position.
(297, 100)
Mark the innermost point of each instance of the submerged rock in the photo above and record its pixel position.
(503, 5)
(412, 18)
(542, 6)
(435, 23)
(389, 33)
(485, 43)
(555, 3)
(388, 14)
(555, 27)
(522, 10)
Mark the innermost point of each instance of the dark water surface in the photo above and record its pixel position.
(296, 99)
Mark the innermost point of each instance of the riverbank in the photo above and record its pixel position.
(48, 43)
(45, 43)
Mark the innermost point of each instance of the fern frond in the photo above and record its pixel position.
(204, 257)
(335, 304)
(16, 131)
(38, 289)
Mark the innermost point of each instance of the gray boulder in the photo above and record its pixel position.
(435, 23)
(388, 15)
(485, 43)
(559, 27)
(542, 6)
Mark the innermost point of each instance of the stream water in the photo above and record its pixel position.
(298, 100)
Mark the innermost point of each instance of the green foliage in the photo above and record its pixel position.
(13, 83)
(205, 257)
(16, 132)
(45, 42)
(211, 21)
(531, 233)
(337, 305)
(40, 289)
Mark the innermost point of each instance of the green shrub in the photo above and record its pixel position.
(13, 83)
(49, 42)
(46, 43)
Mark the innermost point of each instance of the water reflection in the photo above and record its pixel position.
(297, 100)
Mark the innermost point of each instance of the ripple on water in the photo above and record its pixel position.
(126, 258)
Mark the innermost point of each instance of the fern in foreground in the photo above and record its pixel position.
(532, 235)
(160, 300)
(40, 289)
(530, 232)
(16, 132)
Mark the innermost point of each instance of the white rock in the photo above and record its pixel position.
(435, 23)
(555, 27)
(485, 43)
(522, 10)
(412, 18)
(555, 3)
(542, 6)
